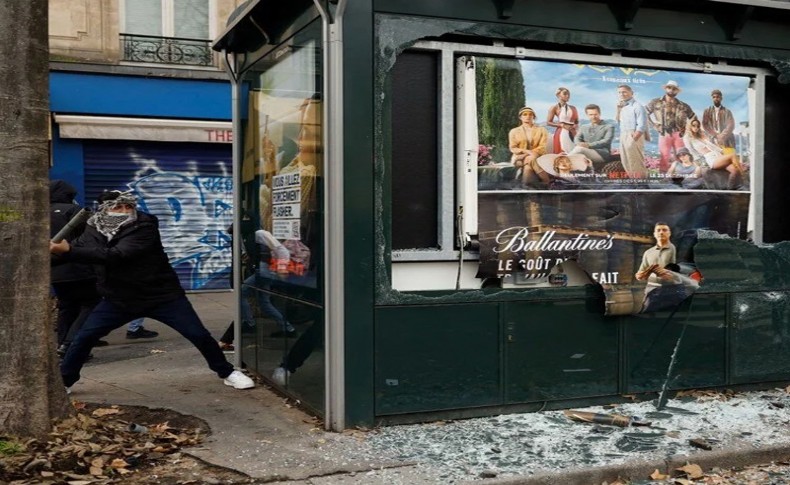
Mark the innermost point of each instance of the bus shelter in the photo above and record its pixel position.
(462, 208)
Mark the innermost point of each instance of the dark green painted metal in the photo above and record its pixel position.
(451, 357)
(360, 245)
(689, 21)
(559, 350)
(431, 358)
(760, 336)
(651, 339)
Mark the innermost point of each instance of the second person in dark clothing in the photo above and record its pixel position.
(74, 284)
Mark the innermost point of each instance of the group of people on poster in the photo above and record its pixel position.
(690, 145)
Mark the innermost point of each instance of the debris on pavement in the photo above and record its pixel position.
(701, 443)
(599, 418)
(548, 441)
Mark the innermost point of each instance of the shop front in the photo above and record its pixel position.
(173, 152)
(466, 208)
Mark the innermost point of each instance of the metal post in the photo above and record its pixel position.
(334, 248)
(235, 83)
(757, 146)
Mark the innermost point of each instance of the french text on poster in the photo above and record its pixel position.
(286, 206)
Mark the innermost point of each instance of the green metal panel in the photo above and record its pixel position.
(679, 21)
(701, 358)
(760, 336)
(437, 357)
(558, 350)
(359, 220)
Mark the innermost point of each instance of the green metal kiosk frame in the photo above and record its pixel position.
(358, 153)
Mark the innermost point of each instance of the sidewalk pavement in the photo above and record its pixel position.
(260, 434)
(255, 431)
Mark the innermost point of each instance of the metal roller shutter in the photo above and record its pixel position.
(188, 186)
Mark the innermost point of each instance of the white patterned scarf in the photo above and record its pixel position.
(107, 221)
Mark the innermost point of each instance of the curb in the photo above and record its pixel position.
(641, 470)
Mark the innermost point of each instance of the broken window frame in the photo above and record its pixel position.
(407, 263)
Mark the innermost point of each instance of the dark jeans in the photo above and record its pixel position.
(76, 300)
(177, 314)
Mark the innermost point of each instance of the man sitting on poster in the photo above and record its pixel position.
(527, 142)
(666, 287)
(657, 257)
(594, 140)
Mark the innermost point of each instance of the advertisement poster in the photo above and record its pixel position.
(605, 175)
(283, 164)
(288, 166)
(613, 128)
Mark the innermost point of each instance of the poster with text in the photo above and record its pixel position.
(574, 239)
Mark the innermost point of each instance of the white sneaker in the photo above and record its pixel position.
(280, 375)
(239, 381)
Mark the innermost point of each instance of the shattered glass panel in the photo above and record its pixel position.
(546, 361)
(761, 336)
(426, 364)
(652, 337)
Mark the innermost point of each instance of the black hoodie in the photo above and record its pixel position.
(61, 209)
(132, 268)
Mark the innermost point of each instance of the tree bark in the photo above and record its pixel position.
(31, 392)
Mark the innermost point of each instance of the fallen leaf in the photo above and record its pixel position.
(691, 470)
(96, 471)
(657, 475)
(47, 474)
(118, 463)
(160, 428)
(105, 412)
(157, 351)
(683, 481)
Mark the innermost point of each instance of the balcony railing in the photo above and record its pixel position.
(166, 50)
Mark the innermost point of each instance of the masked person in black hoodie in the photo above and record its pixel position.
(135, 280)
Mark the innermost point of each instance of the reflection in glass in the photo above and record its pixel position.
(282, 178)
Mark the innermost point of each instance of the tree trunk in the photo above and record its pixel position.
(31, 393)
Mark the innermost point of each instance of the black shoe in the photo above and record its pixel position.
(141, 333)
(102, 343)
(283, 333)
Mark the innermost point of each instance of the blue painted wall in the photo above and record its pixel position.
(127, 96)
(113, 95)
